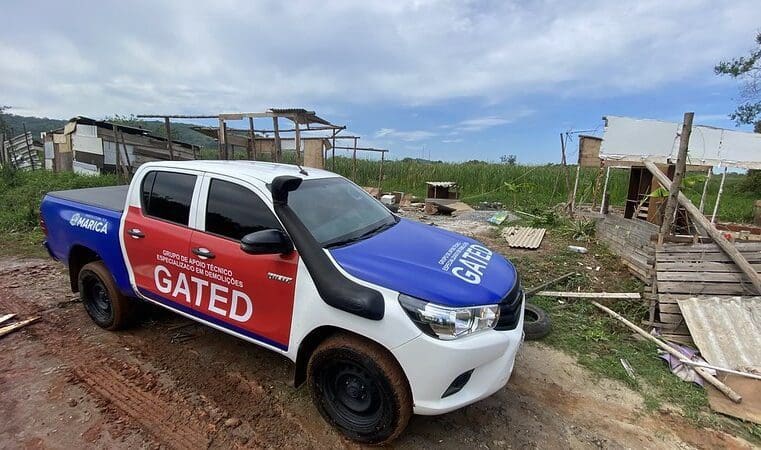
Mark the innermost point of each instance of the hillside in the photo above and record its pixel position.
(180, 131)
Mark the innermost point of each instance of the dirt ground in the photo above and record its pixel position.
(65, 383)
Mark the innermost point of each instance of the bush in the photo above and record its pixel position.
(22, 192)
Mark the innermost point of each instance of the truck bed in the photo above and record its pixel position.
(110, 197)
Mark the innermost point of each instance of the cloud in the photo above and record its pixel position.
(407, 136)
(452, 141)
(187, 57)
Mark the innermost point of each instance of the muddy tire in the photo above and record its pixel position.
(536, 322)
(360, 389)
(105, 305)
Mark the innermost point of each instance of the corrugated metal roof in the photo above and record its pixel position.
(524, 237)
(727, 330)
(448, 184)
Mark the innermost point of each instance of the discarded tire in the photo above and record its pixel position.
(536, 322)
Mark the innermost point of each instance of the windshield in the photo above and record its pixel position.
(338, 212)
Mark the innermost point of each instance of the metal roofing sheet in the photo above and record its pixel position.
(524, 237)
(727, 330)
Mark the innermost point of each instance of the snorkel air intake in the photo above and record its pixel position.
(335, 289)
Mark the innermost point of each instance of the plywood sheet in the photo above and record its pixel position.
(750, 390)
(87, 144)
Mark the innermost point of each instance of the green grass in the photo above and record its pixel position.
(22, 192)
(534, 188)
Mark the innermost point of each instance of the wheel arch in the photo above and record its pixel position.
(314, 338)
(79, 256)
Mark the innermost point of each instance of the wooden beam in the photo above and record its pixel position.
(168, 129)
(706, 225)
(221, 138)
(297, 142)
(15, 326)
(278, 144)
(676, 184)
(629, 295)
(726, 390)
(251, 140)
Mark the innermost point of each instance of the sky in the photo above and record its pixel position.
(449, 80)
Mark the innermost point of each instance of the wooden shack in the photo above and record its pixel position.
(89, 146)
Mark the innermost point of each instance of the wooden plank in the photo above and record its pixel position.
(669, 308)
(703, 266)
(699, 257)
(671, 318)
(717, 236)
(13, 327)
(6, 317)
(706, 277)
(697, 289)
(629, 295)
(710, 247)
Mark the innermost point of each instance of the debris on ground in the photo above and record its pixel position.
(684, 372)
(524, 237)
(6, 317)
(532, 291)
(15, 326)
(574, 294)
(498, 218)
(628, 368)
(707, 376)
(577, 249)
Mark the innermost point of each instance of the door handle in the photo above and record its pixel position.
(203, 252)
(135, 233)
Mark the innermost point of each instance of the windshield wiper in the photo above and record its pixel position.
(362, 236)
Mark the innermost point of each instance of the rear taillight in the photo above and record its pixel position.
(43, 226)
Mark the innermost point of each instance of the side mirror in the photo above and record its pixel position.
(266, 242)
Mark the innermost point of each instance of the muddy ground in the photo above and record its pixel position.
(66, 383)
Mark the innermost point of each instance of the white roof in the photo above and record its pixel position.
(258, 170)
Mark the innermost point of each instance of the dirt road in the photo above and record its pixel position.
(65, 383)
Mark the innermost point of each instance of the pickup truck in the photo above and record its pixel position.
(382, 316)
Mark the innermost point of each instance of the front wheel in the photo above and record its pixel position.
(359, 388)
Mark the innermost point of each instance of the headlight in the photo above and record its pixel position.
(449, 323)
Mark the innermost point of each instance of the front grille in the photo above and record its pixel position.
(510, 309)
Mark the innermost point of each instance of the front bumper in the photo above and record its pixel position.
(432, 364)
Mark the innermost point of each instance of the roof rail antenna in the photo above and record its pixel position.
(301, 170)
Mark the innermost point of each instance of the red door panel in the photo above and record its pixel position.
(251, 294)
(151, 243)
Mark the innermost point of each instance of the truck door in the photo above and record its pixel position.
(156, 235)
(251, 294)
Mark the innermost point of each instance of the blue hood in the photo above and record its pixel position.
(431, 264)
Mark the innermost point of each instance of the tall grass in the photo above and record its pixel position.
(531, 188)
(22, 192)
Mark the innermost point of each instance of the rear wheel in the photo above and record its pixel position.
(105, 305)
(359, 388)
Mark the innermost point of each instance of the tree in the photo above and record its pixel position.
(510, 160)
(748, 70)
(4, 126)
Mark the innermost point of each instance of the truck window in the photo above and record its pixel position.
(233, 211)
(167, 196)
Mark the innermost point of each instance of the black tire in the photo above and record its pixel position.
(536, 322)
(105, 305)
(360, 389)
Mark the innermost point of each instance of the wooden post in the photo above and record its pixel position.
(251, 140)
(354, 162)
(28, 147)
(575, 188)
(603, 204)
(221, 138)
(706, 225)
(718, 196)
(227, 143)
(297, 142)
(333, 153)
(118, 158)
(2, 149)
(278, 147)
(705, 189)
(380, 178)
(726, 390)
(567, 173)
(126, 158)
(676, 185)
(168, 129)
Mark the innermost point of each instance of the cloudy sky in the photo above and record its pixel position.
(455, 80)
